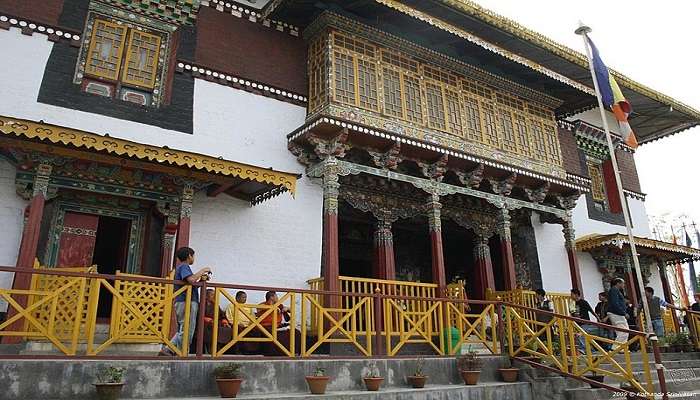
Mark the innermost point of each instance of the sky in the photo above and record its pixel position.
(654, 43)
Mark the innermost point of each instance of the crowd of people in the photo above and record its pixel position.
(616, 309)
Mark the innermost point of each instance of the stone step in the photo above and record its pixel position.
(672, 386)
(129, 349)
(482, 391)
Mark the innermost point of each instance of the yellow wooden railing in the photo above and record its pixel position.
(562, 302)
(61, 317)
(562, 344)
(694, 326)
(147, 298)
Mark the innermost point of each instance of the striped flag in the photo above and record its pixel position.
(612, 97)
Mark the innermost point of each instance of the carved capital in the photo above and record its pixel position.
(537, 195)
(569, 234)
(389, 159)
(505, 186)
(41, 180)
(333, 147)
(382, 232)
(481, 249)
(503, 225)
(472, 178)
(436, 170)
(432, 208)
(186, 202)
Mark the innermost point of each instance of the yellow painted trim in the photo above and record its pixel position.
(593, 241)
(12, 127)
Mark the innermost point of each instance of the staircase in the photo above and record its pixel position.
(682, 379)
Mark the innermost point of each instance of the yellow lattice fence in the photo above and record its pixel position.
(149, 299)
(60, 318)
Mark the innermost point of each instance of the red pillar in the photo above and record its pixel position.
(329, 248)
(28, 245)
(506, 250)
(484, 269)
(438, 259)
(385, 267)
(570, 244)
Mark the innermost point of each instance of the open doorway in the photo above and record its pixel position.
(110, 255)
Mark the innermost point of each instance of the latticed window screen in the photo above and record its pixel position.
(436, 98)
(141, 63)
(105, 53)
(317, 73)
(436, 107)
(392, 93)
(344, 78)
(595, 171)
(119, 53)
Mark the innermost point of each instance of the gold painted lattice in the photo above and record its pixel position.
(105, 53)
(595, 171)
(60, 318)
(317, 73)
(141, 65)
(150, 299)
(435, 98)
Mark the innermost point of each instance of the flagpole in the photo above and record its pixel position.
(584, 31)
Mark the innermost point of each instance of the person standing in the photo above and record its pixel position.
(601, 310)
(655, 304)
(617, 309)
(183, 272)
(583, 311)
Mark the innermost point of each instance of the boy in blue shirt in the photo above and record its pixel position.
(183, 272)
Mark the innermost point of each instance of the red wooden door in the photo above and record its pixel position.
(77, 241)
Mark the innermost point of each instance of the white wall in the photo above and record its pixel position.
(591, 279)
(275, 243)
(11, 216)
(585, 226)
(554, 263)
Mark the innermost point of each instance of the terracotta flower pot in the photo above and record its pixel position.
(470, 377)
(373, 384)
(417, 382)
(108, 391)
(317, 384)
(228, 388)
(597, 378)
(509, 374)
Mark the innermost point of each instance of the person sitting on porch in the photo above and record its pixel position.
(655, 304)
(583, 311)
(281, 315)
(223, 327)
(242, 315)
(183, 272)
(617, 309)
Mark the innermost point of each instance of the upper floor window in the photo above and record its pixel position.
(122, 60)
(595, 172)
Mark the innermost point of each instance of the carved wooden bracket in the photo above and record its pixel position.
(472, 178)
(505, 186)
(435, 170)
(389, 159)
(537, 195)
(333, 147)
(304, 157)
(568, 202)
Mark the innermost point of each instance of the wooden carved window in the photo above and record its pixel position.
(402, 95)
(122, 61)
(539, 142)
(507, 131)
(472, 127)
(488, 115)
(355, 72)
(454, 113)
(595, 171)
(436, 106)
(442, 100)
(106, 50)
(521, 135)
(317, 73)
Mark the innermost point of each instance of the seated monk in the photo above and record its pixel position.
(278, 320)
(224, 327)
(241, 315)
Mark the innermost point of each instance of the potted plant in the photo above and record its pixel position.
(672, 340)
(417, 380)
(469, 367)
(372, 379)
(663, 345)
(595, 377)
(317, 381)
(508, 373)
(228, 379)
(110, 382)
(683, 342)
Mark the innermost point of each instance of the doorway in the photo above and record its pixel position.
(110, 255)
